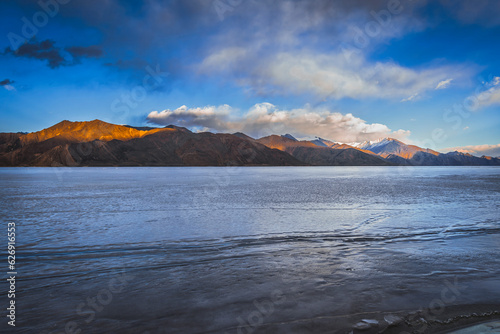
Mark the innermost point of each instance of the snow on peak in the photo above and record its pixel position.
(370, 143)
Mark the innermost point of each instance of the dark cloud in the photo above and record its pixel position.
(482, 12)
(157, 30)
(6, 82)
(43, 50)
(47, 50)
(92, 51)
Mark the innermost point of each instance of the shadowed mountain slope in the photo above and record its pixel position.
(98, 143)
(321, 155)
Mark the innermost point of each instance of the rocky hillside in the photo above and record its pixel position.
(98, 143)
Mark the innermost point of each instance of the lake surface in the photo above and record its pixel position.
(253, 250)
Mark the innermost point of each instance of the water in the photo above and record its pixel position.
(253, 250)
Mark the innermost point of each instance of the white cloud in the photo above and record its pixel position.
(209, 117)
(329, 75)
(466, 128)
(488, 97)
(411, 98)
(478, 150)
(491, 96)
(443, 84)
(314, 48)
(264, 119)
(9, 87)
(224, 59)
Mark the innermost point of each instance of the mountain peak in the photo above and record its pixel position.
(368, 143)
(178, 128)
(289, 136)
(243, 136)
(88, 131)
(460, 153)
(322, 142)
(391, 146)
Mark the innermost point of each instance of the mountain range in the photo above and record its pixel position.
(97, 143)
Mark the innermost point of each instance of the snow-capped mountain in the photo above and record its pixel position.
(368, 143)
(322, 152)
(390, 146)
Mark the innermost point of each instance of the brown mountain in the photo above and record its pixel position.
(328, 143)
(449, 159)
(98, 143)
(311, 153)
(282, 142)
(88, 131)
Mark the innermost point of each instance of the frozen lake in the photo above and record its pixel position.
(254, 249)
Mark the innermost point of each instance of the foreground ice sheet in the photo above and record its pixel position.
(254, 250)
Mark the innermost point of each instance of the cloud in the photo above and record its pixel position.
(483, 12)
(209, 117)
(329, 75)
(284, 48)
(489, 97)
(411, 98)
(478, 150)
(43, 50)
(55, 56)
(92, 51)
(264, 119)
(7, 84)
(311, 48)
(444, 84)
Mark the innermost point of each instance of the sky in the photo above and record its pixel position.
(426, 72)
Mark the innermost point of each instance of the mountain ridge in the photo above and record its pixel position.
(98, 143)
(321, 154)
(386, 146)
(88, 131)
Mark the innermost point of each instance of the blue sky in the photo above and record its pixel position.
(425, 72)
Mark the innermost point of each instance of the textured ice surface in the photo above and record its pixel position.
(262, 250)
